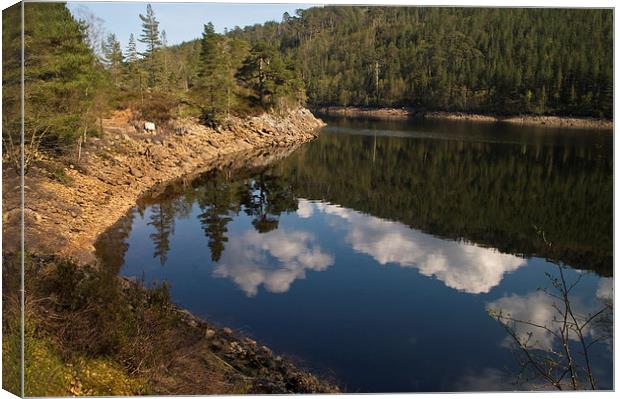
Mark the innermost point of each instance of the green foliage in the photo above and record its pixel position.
(131, 77)
(157, 108)
(113, 57)
(11, 79)
(61, 73)
(52, 367)
(215, 87)
(63, 80)
(150, 37)
(273, 81)
(101, 333)
(541, 61)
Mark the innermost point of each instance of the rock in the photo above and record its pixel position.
(73, 214)
(126, 137)
(209, 333)
(250, 342)
(135, 172)
(236, 348)
(217, 344)
(227, 330)
(149, 126)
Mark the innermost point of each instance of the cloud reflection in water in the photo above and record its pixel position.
(463, 266)
(276, 259)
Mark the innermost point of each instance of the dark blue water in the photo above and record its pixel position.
(374, 254)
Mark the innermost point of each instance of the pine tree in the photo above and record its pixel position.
(215, 82)
(132, 70)
(150, 36)
(131, 53)
(113, 57)
(262, 71)
(62, 80)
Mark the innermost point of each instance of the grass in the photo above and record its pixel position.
(56, 171)
(89, 333)
(51, 368)
(46, 374)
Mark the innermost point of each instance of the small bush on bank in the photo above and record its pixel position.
(158, 108)
(86, 333)
(90, 332)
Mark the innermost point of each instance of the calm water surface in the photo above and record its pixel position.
(373, 253)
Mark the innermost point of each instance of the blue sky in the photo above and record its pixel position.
(181, 21)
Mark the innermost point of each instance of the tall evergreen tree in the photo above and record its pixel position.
(131, 52)
(151, 37)
(270, 78)
(133, 72)
(215, 86)
(62, 78)
(113, 57)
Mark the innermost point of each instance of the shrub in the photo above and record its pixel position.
(157, 108)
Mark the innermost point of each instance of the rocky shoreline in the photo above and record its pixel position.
(529, 120)
(370, 113)
(408, 113)
(70, 204)
(254, 365)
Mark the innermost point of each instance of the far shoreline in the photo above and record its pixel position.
(409, 113)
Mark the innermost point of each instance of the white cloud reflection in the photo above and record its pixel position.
(459, 265)
(274, 259)
(305, 209)
(539, 308)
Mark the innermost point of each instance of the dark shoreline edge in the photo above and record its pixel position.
(409, 113)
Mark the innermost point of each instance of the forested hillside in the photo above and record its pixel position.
(539, 61)
(505, 61)
(75, 74)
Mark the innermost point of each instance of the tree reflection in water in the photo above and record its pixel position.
(219, 195)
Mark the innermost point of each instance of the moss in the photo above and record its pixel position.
(11, 357)
(47, 375)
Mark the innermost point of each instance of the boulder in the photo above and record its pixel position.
(149, 126)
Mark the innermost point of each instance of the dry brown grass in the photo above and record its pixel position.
(86, 318)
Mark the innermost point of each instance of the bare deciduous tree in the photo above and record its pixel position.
(561, 363)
